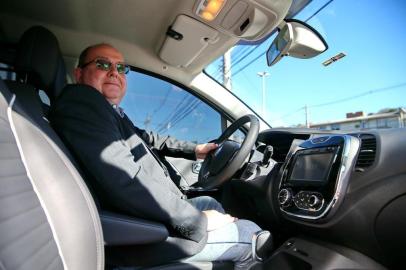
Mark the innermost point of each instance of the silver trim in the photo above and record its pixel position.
(254, 248)
(316, 201)
(350, 149)
(318, 138)
(33, 183)
(310, 209)
(288, 196)
(255, 236)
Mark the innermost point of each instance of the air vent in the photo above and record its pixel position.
(367, 152)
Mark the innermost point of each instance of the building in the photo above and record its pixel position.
(388, 118)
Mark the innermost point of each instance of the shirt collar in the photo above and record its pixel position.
(118, 109)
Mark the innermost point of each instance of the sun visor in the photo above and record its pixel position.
(185, 39)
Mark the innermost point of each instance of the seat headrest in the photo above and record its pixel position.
(39, 57)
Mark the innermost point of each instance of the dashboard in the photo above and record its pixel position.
(346, 189)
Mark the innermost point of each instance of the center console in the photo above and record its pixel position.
(315, 176)
(310, 254)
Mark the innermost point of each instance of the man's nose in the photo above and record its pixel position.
(113, 71)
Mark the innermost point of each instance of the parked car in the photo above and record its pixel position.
(333, 198)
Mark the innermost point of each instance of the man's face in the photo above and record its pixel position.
(110, 83)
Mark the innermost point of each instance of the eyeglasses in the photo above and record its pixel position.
(105, 65)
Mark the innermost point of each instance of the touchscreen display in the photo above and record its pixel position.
(312, 167)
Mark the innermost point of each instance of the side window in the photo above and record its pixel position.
(6, 72)
(159, 106)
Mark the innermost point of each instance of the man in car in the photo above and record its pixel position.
(123, 170)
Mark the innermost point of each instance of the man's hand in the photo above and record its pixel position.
(217, 220)
(202, 150)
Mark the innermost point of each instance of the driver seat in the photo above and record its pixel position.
(49, 219)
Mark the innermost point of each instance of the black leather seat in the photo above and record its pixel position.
(48, 219)
(67, 220)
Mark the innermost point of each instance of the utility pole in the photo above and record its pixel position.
(263, 74)
(226, 80)
(227, 69)
(306, 116)
(147, 121)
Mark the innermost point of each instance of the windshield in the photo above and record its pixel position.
(364, 89)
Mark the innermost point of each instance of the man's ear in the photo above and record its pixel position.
(77, 72)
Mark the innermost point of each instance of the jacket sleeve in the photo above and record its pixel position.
(168, 145)
(90, 130)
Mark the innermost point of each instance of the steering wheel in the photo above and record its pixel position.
(220, 165)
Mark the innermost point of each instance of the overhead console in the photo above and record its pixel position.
(210, 24)
(315, 176)
(246, 19)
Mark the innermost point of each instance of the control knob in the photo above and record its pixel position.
(314, 201)
(284, 197)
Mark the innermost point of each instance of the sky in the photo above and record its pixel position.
(371, 77)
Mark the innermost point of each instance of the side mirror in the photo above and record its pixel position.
(296, 39)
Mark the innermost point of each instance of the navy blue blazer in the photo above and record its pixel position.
(118, 162)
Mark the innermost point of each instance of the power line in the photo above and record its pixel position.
(320, 9)
(369, 92)
(249, 63)
(186, 113)
(238, 57)
(289, 114)
(218, 74)
(179, 113)
(246, 55)
(365, 93)
(174, 112)
(238, 53)
(247, 78)
(160, 106)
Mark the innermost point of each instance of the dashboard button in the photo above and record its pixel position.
(284, 197)
(315, 202)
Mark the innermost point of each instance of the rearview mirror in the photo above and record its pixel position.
(296, 39)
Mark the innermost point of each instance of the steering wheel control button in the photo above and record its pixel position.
(285, 197)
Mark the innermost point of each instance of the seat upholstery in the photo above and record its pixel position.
(48, 219)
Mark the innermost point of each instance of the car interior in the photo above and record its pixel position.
(331, 200)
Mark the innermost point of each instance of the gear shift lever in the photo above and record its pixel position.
(262, 245)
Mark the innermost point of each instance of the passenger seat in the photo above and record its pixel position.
(48, 219)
